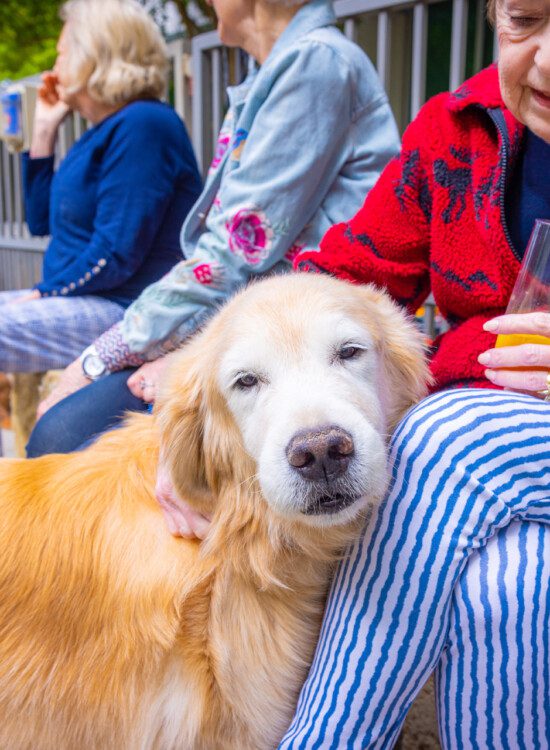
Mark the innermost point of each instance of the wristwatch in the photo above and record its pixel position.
(92, 364)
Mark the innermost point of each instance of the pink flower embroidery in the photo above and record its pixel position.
(209, 274)
(293, 251)
(221, 147)
(250, 235)
(203, 273)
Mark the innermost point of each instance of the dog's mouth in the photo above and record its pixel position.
(329, 504)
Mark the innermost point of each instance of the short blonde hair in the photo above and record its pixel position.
(115, 51)
(491, 10)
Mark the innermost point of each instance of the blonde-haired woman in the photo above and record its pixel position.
(115, 206)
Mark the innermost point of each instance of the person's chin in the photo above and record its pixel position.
(535, 114)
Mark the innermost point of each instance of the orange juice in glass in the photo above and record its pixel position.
(531, 291)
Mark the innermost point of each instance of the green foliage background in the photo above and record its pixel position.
(28, 35)
(29, 30)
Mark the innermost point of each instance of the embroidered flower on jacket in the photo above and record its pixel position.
(250, 235)
(239, 140)
(221, 147)
(209, 274)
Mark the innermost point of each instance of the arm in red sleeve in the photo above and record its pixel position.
(387, 241)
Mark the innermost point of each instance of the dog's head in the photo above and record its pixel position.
(294, 388)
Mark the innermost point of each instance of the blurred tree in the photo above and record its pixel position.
(196, 15)
(28, 35)
(29, 30)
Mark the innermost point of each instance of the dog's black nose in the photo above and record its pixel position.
(321, 454)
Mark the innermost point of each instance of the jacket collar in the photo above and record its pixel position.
(483, 90)
(312, 15)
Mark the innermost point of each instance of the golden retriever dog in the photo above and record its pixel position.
(116, 635)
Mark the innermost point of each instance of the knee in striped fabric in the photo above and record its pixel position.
(493, 678)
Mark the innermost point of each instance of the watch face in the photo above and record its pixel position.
(93, 366)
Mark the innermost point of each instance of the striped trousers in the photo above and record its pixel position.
(452, 574)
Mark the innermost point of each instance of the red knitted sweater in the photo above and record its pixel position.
(435, 221)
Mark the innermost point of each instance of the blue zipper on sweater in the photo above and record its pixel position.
(497, 117)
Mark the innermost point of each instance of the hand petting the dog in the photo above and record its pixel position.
(181, 520)
(72, 379)
(145, 381)
(521, 367)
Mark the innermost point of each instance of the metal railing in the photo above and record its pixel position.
(418, 48)
(399, 38)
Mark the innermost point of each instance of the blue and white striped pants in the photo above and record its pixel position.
(48, 333)
(453, 573)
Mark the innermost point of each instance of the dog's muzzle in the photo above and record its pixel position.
(322, 456)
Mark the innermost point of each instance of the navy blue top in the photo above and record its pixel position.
(116, 205)
(529, 195)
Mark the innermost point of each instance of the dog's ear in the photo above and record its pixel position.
(403, 347)
(178, 413)
(200, 444)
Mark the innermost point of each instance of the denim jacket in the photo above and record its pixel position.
(305, 138)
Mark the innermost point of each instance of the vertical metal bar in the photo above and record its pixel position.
(383, 37)
(62, 141)
(479, 38)
(77, 126)
(9, 195)
(458, 43)
(216, 96)
(237, 57)
(17, 195)
(198, 102)
(176, 48)
(2, 189)
(429, 317)
(350, 29)
(419, 48)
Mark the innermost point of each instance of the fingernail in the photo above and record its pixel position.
(185, 531)
(490, 374)
(484, 358)
(491, 326)
(172, 527)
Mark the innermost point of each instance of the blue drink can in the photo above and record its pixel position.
(11, 109)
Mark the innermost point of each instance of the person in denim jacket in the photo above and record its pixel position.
(305, 138)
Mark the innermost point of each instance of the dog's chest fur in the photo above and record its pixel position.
(233, 677)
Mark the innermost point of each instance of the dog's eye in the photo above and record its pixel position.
(349, 352)
(247, 381)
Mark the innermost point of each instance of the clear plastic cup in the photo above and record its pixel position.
(531, 291)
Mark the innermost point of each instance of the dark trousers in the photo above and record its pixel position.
(77, 420)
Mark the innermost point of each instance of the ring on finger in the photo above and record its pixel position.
(545, 393)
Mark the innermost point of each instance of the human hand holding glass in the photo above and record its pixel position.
(521, 357)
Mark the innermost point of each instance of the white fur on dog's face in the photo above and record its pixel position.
(318, 371)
